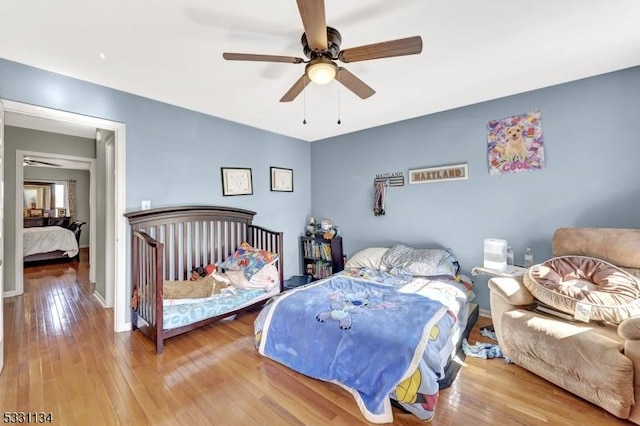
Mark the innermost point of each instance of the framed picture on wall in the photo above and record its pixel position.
(281, 179)
(236, 181)
(62, 212)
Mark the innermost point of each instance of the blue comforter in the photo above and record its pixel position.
(365, 336)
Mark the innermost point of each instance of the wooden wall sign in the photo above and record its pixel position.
(439, 174)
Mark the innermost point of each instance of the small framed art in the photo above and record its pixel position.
(62, 212)
(281, 179)
(36, 212)
(236, 181)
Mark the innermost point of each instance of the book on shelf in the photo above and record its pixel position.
(319, 269)
(315, 250)
(323, 269)
(326, 251)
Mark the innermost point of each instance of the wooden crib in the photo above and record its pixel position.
(168, 243)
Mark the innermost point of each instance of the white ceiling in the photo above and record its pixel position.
(171, 51)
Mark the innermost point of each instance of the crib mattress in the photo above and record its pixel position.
(180, 315)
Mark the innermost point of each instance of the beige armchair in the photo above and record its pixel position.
(596, 361)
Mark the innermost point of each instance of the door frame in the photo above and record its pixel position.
(110, 242)
(2, 234)
(118, 204)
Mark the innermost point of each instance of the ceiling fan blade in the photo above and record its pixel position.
(31, 162)
(385, 49)
(296, 89)
(354, 84)
(261, 58)
(314, 22)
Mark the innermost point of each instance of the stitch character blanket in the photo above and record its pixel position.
(367, 337)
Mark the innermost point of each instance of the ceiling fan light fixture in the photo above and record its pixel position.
(321, 70)
(321, 45)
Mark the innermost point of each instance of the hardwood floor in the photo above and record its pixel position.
(62, 357)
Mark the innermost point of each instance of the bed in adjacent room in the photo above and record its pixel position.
(385, 329)
(51, 242)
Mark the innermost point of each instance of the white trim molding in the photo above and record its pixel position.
(118, 287)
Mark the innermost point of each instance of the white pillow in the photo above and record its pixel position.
(367, 258)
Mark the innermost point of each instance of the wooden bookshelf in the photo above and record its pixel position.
(321, 257)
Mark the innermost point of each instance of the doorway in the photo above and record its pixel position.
(41, 118)
(60, 162)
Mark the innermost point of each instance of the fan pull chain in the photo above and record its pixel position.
(339, 122)
(304, 101)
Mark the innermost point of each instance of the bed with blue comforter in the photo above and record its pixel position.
(379, 335)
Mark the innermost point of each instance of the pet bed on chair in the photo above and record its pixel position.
(587, 287)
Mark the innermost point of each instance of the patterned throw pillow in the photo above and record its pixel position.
(248, 259)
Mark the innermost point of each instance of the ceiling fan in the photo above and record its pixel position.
(26, 161)
(321, 45)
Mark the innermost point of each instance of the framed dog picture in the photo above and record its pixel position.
(62, 212)
(515, 144)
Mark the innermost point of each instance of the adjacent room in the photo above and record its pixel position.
(319, 212)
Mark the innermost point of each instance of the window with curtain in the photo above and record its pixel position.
(71, 196)
(60, 195)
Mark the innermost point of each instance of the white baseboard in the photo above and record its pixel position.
(126, 327)
(485, 313)
(10, 293)
(100, 299)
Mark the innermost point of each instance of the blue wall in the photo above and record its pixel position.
(592, 178)
(173, 155)
(592, 149)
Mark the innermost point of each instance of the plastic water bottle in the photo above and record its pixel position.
(528, 257)
(510, 256)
